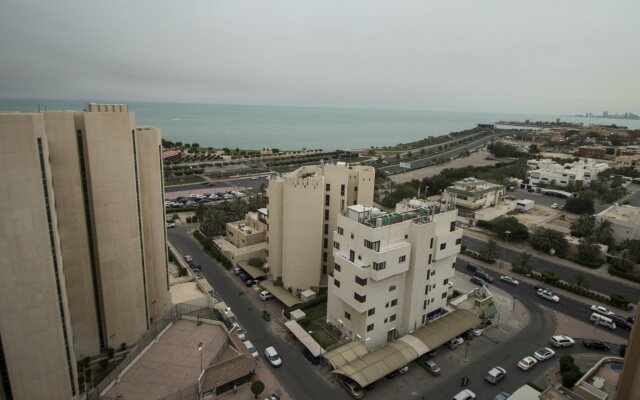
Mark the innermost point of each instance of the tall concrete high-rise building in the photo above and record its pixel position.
(392, 270)
(629, 381)
(99, 199)
(302, 212)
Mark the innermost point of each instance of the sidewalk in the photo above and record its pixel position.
(600, 272)
(271, 386)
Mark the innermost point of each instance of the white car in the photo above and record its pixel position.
(602, 310)
(544, 353)
(240, 332)
(527, 363)
(272, 356)
(548, 295)
(265, 295)
(170, 225)
(554, 206)
(466, 394)
(561, 341)
(188, 258)
(508, 279)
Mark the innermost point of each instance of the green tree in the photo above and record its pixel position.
(257, 388)
(525, 261)
(581, 281)
(588, 250)
(517, 231)
(583, 226)
(623, 262)
(633, 249)
(214, 221)
(549, 240)
(580, 205)
(490, 249)
(603, 232)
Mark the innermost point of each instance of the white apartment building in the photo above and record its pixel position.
(578, 173)
(625, 220)
(302, 213)
(391, 270)
(471, 194)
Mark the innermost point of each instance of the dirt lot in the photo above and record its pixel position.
(535, 216)
(478, 159)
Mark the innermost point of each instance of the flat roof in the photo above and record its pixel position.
(185, 292)
(303, 336)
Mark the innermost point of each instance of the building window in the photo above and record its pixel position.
(370, 328)
(392, 318)
(433, 272)
(324, 256)
(386, 320)
(340, 231)
(406, 237)
(424, 306)
(341, 204)
(361, 281)
(386, 305)
(347, 315)
(336, 245)
(352, 255)
(458, 241)
(375, 246)
(327, 187)
(371, 311)
(324, 269)
(392, 288)
(429, 259)
(394, 302)
(352, 236)
(453, 226)
(360, 298)
(337, 267)
(327, 199)
(442, 246)
(326, 215)
(326, 229)
(341, 190)
(444, 295)
(325, 243)
(431, 244)
(402, 259)
(378, 266)
(428, 274)
(445, 281)
(336, 282)
(426, 289)
(355, 189)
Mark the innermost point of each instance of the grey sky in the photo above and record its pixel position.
(502, 56)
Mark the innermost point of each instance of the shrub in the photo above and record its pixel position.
(257, 387)
(257, 262)
(104, 363)
(550, 276)
(570, 377)
(626, 275)
(620, 300)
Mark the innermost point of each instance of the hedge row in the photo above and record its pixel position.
(211, 249)
(478, 256)
(626, 275)
(320, 298)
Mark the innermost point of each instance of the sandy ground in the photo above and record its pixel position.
(478, 159)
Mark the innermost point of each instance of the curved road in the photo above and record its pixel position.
(597, 283)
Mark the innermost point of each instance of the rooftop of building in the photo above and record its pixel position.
(601, 380)
(473, 187)
(418, 211)
(310, 171)
(621, 212)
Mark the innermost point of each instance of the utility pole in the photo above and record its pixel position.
(505, 248)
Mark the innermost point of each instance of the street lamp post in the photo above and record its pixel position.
(200, 350)
(506, 242)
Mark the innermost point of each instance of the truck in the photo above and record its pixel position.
(524, 205)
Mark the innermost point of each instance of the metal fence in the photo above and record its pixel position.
(190, 392)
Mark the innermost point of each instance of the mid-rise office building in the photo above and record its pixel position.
(302, 213)
(85, 263)
(391, 271)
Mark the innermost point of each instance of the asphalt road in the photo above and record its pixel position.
(299, 378)
(231, 184)
(526, 292)
(394, 169)
(596, 283)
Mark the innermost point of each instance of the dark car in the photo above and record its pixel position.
(429, 365)
(243, 275)
(195, 266)
(312, 359)
(537, 288)
(595, 344)
(621, 322)
(531, 190)
(478, 281)
(249, 282)
(485, 277)
(473, 268)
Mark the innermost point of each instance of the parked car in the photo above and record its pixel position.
(473, 268)
(598, 319)
(478, 281)
(622, 322)
(188, 258)
(554, 205)
(309, 356)
(272, 356)
(483, 274)
(548, 295)
(527, 363)
(561, 341)
(453, 343)
(241, 333)
(429, 365)
(595, 344)
(502, 396)
(509, 279)
(243, 275)
(537, 288)
(352, 388)
(265, 295)
(403, 370)
(170, 225)
(249, 282)
(466, 394)
(544, 353)
(251, 348)
(602, 310)
(236, 270)
(495, 375)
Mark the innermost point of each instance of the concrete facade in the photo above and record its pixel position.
(471, 194)
(629, 382)
(302, 213)
(391, 270)
(252, 230)
(107, 221)
(629, 161)
(578, 173)
(625, 221)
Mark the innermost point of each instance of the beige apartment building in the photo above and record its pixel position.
(470, 195)
(392, 270)
(628, 161)
(104, 274)
(303, 209)
(252, 230)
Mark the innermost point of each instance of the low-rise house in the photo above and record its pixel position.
(625, 221)
(470, 195)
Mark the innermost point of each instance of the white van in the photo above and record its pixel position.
(602, 320)
(252, 350)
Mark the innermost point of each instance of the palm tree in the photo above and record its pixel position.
(632, 246)
(549, 240)
(490, 249)
(623, 262)
(588, 250)
(525, 261)
(214, 221)
(581, 281)
(603, 232)
(583, 226)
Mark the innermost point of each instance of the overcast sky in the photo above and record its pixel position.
(533, 56)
